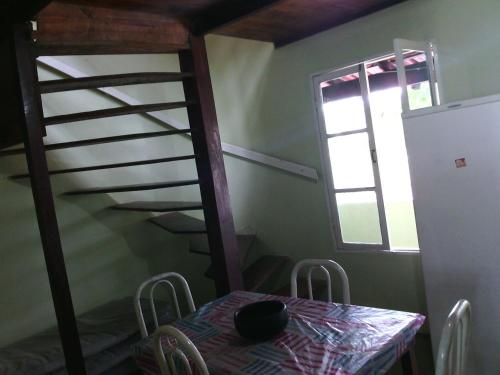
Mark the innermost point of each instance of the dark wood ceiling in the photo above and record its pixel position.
(290, 20)
(277, 21)
(161, 26)
(183, 9)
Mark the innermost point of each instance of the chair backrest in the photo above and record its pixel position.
(323, 265)
(180, 354)
(164, 279)
(454, 341)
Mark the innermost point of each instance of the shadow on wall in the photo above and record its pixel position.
(108, 253)
(249, 106)
(154, 248)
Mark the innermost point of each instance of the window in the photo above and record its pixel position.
(364, 151)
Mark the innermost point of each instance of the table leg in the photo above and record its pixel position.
(409, 361)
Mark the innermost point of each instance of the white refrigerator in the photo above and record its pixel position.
(454, 157)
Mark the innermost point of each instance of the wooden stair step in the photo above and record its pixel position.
(262, 270)
(102, 140)
(110, 166)
(245, 242)
(68, 84)
(136, 187)
(176, 222)
(112, 112)
(164, 206)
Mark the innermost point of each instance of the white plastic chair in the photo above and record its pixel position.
(454, 341)
(178, 346)
(323, 265)
(153, 282)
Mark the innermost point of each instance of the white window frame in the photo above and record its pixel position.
(360, 68)
(363, 81)
(401, 45)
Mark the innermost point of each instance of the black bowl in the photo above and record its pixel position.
(261, 320)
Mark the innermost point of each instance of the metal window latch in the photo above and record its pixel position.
(373, 154)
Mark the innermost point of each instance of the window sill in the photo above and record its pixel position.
(386, 252)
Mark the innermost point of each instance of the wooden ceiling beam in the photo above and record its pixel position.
(69, 29)
(226, 12)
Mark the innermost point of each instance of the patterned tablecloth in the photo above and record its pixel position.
(321, 338)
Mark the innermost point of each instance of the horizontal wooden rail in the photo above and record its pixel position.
(97, 141)
(240, 152)
(135, 187)
(68, 84)
(111, 166)
(112, 112)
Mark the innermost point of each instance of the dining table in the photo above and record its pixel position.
(320, 338)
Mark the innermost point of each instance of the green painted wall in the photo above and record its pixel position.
(289, 213)
(274, 94)
(264, 103)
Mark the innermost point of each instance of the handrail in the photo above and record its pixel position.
(240, 152)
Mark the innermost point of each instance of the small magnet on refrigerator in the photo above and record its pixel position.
(460, 163)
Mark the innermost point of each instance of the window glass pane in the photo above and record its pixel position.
(351, 161)
(419, 95)
(359, 220)
(343, 107)
(417, 79)
(385, 105)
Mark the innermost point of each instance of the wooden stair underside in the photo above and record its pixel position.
(178, 223)
(112, 112)
(67, 84)
(163, 206)
(69, 29)
(138, 187)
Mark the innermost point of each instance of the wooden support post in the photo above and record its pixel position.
(210, 166)
(30, 113)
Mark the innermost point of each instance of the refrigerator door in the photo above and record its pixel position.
(454, 158)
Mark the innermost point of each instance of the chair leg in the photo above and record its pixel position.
(409, 361)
